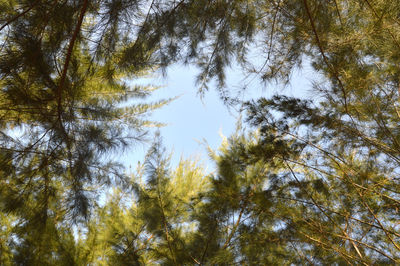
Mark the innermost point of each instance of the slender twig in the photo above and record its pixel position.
(338, 213)
(19, 15)
(69, 51)
(322, 51)
(228, 240)
(165, 222)
(380, 18)
(327, 247)
(323, 211)
(363, 201)
(338, 12)
(60, 87)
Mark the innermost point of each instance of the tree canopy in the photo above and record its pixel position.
(301, 181)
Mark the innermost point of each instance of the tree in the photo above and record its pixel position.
(65, 106)
(269, 202)
(335, 197)
(318, 183)
(342, 184)
(152, 223)
(349, 135)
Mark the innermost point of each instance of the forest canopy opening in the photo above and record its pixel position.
(310, 181)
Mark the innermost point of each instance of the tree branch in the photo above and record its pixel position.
(228, 240)
(19, 15)
(59, 90)
(319, 44)
(323, 211)
(69, 52)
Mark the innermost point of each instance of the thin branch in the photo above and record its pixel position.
(228, 240)
(380, 18)
(59, 90)
(19, 15)
(208, 242)
(321, 49)
(338, 213)
(323, 211)
(363, 201)
(368, 246)
(327, 247)
(338, 12)
(165, 222)
(69, 52)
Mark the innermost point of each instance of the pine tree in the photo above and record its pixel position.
(151, 224)
(65, 106)
(333, 198)
(316, 185)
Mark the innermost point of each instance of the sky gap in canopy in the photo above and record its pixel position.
(193, 122)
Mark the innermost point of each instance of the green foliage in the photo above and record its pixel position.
(152, 225)
(65, 107)
(187, 217)
(316, 182)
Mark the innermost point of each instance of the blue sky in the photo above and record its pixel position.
(192, 121)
